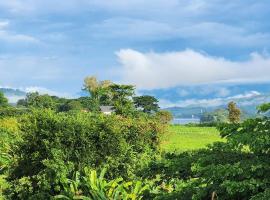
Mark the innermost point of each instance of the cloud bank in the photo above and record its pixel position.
(162, 70)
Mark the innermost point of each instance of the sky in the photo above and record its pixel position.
(171, 49)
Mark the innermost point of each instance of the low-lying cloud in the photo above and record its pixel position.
(162, 70)
(248, 98)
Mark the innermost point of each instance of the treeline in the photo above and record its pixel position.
(120, 98)
(230, 115)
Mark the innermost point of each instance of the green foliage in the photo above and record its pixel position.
(88, 185)
(86, 103)
(3, 100)
(263, 108)
(215, 117)
(99, 92)
(147, 103)
(35, 100)
(234, 113)
(164, 116)
(236, 169)
(53, 146)
(73, 105)
(12, 112)
(9, 134)
(122, 99)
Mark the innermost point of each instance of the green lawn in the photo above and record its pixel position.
(181, 138)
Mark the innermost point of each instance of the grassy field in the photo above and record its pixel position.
(181, 138)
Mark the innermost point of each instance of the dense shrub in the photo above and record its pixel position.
(55, 145)
(9, 134)
(12, 112)
(164, 116)
(238, 169)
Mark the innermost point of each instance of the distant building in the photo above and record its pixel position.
(107, 110)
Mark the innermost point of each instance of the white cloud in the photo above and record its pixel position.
(161, 70)
(12, 98)
(4, 24)
(152, 19)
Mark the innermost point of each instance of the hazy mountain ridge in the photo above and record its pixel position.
(246, 104)
(10, 92)
(13, 95)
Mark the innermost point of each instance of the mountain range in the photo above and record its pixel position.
(247, 104)
(13, 95)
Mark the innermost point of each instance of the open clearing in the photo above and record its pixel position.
(182, 138)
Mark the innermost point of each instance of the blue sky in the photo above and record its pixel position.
(161, 46)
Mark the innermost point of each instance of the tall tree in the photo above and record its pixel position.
(234, 112)
(3, 100)
(98, 90)
(147, 103)
(122, 98)
(73, 104)
(36, 100)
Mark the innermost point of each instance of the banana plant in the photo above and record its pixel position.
(90, 186)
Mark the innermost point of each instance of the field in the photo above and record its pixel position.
(182, 138)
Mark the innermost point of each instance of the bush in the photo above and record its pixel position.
(54, 145)
(236, 169)
(9, 136)
(12, 112)
(164, 116)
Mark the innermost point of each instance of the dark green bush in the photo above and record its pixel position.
(54, 145)
(238, 169)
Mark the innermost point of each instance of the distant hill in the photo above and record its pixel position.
(247, 106)
(10, 91)
(13, 95)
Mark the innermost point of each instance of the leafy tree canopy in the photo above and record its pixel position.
(35, 100)
(147, 103)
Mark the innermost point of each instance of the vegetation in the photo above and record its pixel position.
(56, 148)
(93, 187)
(234, 113)
(164, 116)
(3, 100)
(215, 117)
(147, 103)
(182, 138)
